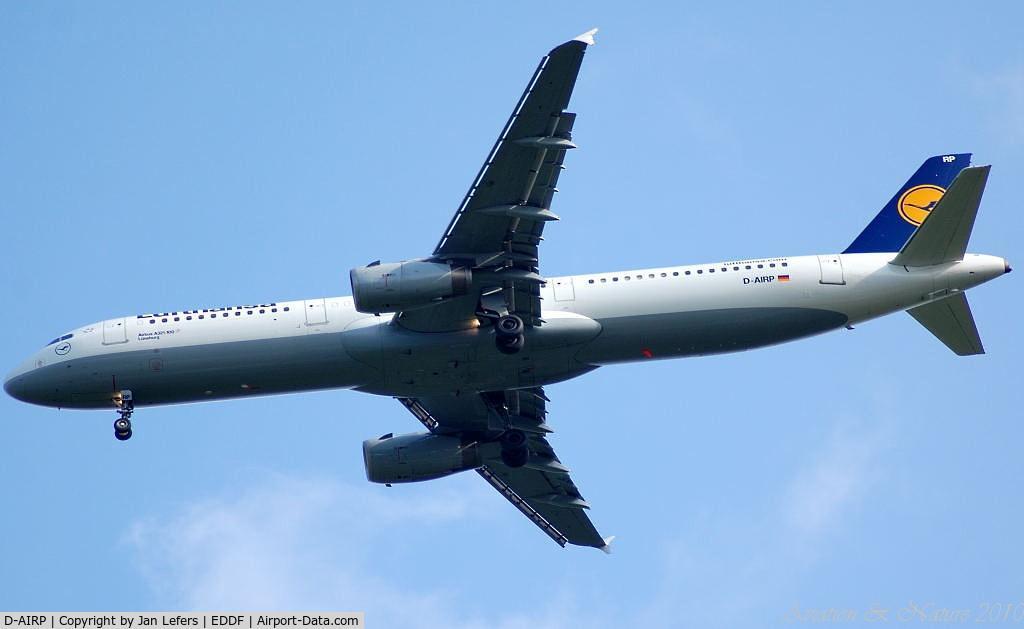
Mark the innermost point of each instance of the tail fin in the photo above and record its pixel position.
(951, 321)
(944, 237)
(902, 215)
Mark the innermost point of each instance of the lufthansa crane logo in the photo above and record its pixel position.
(917, 203)
(63, 348)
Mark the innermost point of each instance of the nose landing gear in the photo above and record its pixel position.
(125, 407)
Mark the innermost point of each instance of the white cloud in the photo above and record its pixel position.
(747, 569)
(296, 543)
(832, 482)
(266, 549)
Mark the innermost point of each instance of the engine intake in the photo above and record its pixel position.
(417, 456)
(397, 286)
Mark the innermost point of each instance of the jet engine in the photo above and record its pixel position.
(417, 456)
(396, 286)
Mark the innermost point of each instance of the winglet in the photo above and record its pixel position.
(607, 548)
(587, 38)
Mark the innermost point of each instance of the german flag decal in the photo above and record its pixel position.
(783, 278)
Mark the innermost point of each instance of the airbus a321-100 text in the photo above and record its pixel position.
(468, 337)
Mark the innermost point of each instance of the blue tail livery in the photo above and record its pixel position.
(905, 212)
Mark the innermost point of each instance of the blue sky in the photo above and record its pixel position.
(159, 157)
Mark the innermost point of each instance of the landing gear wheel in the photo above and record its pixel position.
(509, 335)
(514, 450)
(509, 325)
(122, 429)
(511, 345)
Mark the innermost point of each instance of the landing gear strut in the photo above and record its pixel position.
(509, 334)
(125, 407)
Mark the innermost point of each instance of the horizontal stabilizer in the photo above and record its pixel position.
(951, 321)
(943, 236)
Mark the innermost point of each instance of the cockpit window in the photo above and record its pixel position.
(59, 339)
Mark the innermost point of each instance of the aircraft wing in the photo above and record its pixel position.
(498, 226)
(542, 489)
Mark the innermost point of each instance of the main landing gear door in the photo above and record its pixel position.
(316, 313)
(831, 269)
(564, 290)
(115, 331)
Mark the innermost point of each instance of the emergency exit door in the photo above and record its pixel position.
(316, 312)
(564, 290)
(831, 269)
(114, 332)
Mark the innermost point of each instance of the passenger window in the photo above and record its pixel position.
(177, 319)
(590, 281)
(262, 311)
(664, 274)
(700, 271)
(687, 272)
(201, 316)
(615, 279)
(152, 320)
(286, 308)
(747, 267)
(760, 266)
(735, 268)
(188, 318)
(772, 265)
(675, 273)
(604, 280)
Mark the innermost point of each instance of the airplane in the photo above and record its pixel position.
(468, 338)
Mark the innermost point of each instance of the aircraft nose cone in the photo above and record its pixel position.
(15, 387)
(1006, 266)
(25, 384)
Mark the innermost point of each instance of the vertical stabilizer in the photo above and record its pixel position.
(945, 236)
(901, 216)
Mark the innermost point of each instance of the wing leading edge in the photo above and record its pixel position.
(499, 224)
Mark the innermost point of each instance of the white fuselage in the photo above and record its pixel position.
(589, 321)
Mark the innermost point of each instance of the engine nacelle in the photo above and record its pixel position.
(416, 457)
(397, 286)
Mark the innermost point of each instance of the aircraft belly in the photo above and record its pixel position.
(419, 363)
(713, 331)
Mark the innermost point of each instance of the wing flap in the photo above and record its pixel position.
(542, 490)
(554, 497)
